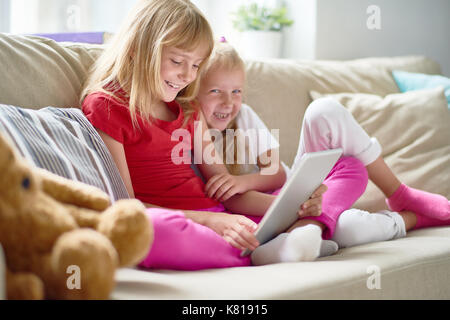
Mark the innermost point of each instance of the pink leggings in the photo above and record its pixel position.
(181, 244)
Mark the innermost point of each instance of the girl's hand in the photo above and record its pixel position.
(236, 229)
(223, 186)
(313, 206)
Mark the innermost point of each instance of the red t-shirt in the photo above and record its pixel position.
(156, 179)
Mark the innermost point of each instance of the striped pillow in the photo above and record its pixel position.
(64, 142)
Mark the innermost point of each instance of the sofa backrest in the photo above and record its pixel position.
(38, 72)
(278, 90)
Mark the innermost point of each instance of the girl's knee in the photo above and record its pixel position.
(354, 172)
(348, 226)
(356, 167)
(324, 108)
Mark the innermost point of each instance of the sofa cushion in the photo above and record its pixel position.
(64, 142)
(39, 72)
(414, 267)
(414, 132)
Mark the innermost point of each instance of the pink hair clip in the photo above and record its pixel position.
(223, 39)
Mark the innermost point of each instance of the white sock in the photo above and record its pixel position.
(355, 227)
(327, 248)
(301, 244)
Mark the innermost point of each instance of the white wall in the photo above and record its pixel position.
(407, 27)
(4, 15)
(218, 14)
(323, 29)
(102, 22)
(47, 16)
(300, 38)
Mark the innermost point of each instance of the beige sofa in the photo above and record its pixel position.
(412, 127)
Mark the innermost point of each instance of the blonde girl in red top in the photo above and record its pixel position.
(137, 95)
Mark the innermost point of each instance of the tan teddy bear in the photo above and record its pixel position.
(62, 239)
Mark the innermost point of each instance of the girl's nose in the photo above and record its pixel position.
(227, 100)
(187, 74)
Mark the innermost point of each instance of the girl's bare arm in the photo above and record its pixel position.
(118, 154)
(251, 202)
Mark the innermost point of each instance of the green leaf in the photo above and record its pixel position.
(255, 17)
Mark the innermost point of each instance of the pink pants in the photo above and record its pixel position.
(182, 244)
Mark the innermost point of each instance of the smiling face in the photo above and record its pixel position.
(220, 96)
(179, 69)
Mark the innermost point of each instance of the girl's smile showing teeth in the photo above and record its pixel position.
(221, 116)
(220, 95)
(173, 86)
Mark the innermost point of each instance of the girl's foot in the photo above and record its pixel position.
(420, 202)
(327, 248)
(426, 222)
(301, 244)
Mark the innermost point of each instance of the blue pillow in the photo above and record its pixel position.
(408, 81)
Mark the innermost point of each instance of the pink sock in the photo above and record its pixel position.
(420, 202)
(425, 222)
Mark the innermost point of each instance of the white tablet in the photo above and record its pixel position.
(308, 174)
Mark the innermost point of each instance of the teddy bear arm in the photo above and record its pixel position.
(73, 192)
(129, 229)
(85, 218)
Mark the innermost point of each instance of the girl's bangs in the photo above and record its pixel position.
(191, 35)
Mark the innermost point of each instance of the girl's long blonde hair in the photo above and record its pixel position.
(132, 60)
(225, 57)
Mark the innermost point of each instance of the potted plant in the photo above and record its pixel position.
(261, 27)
